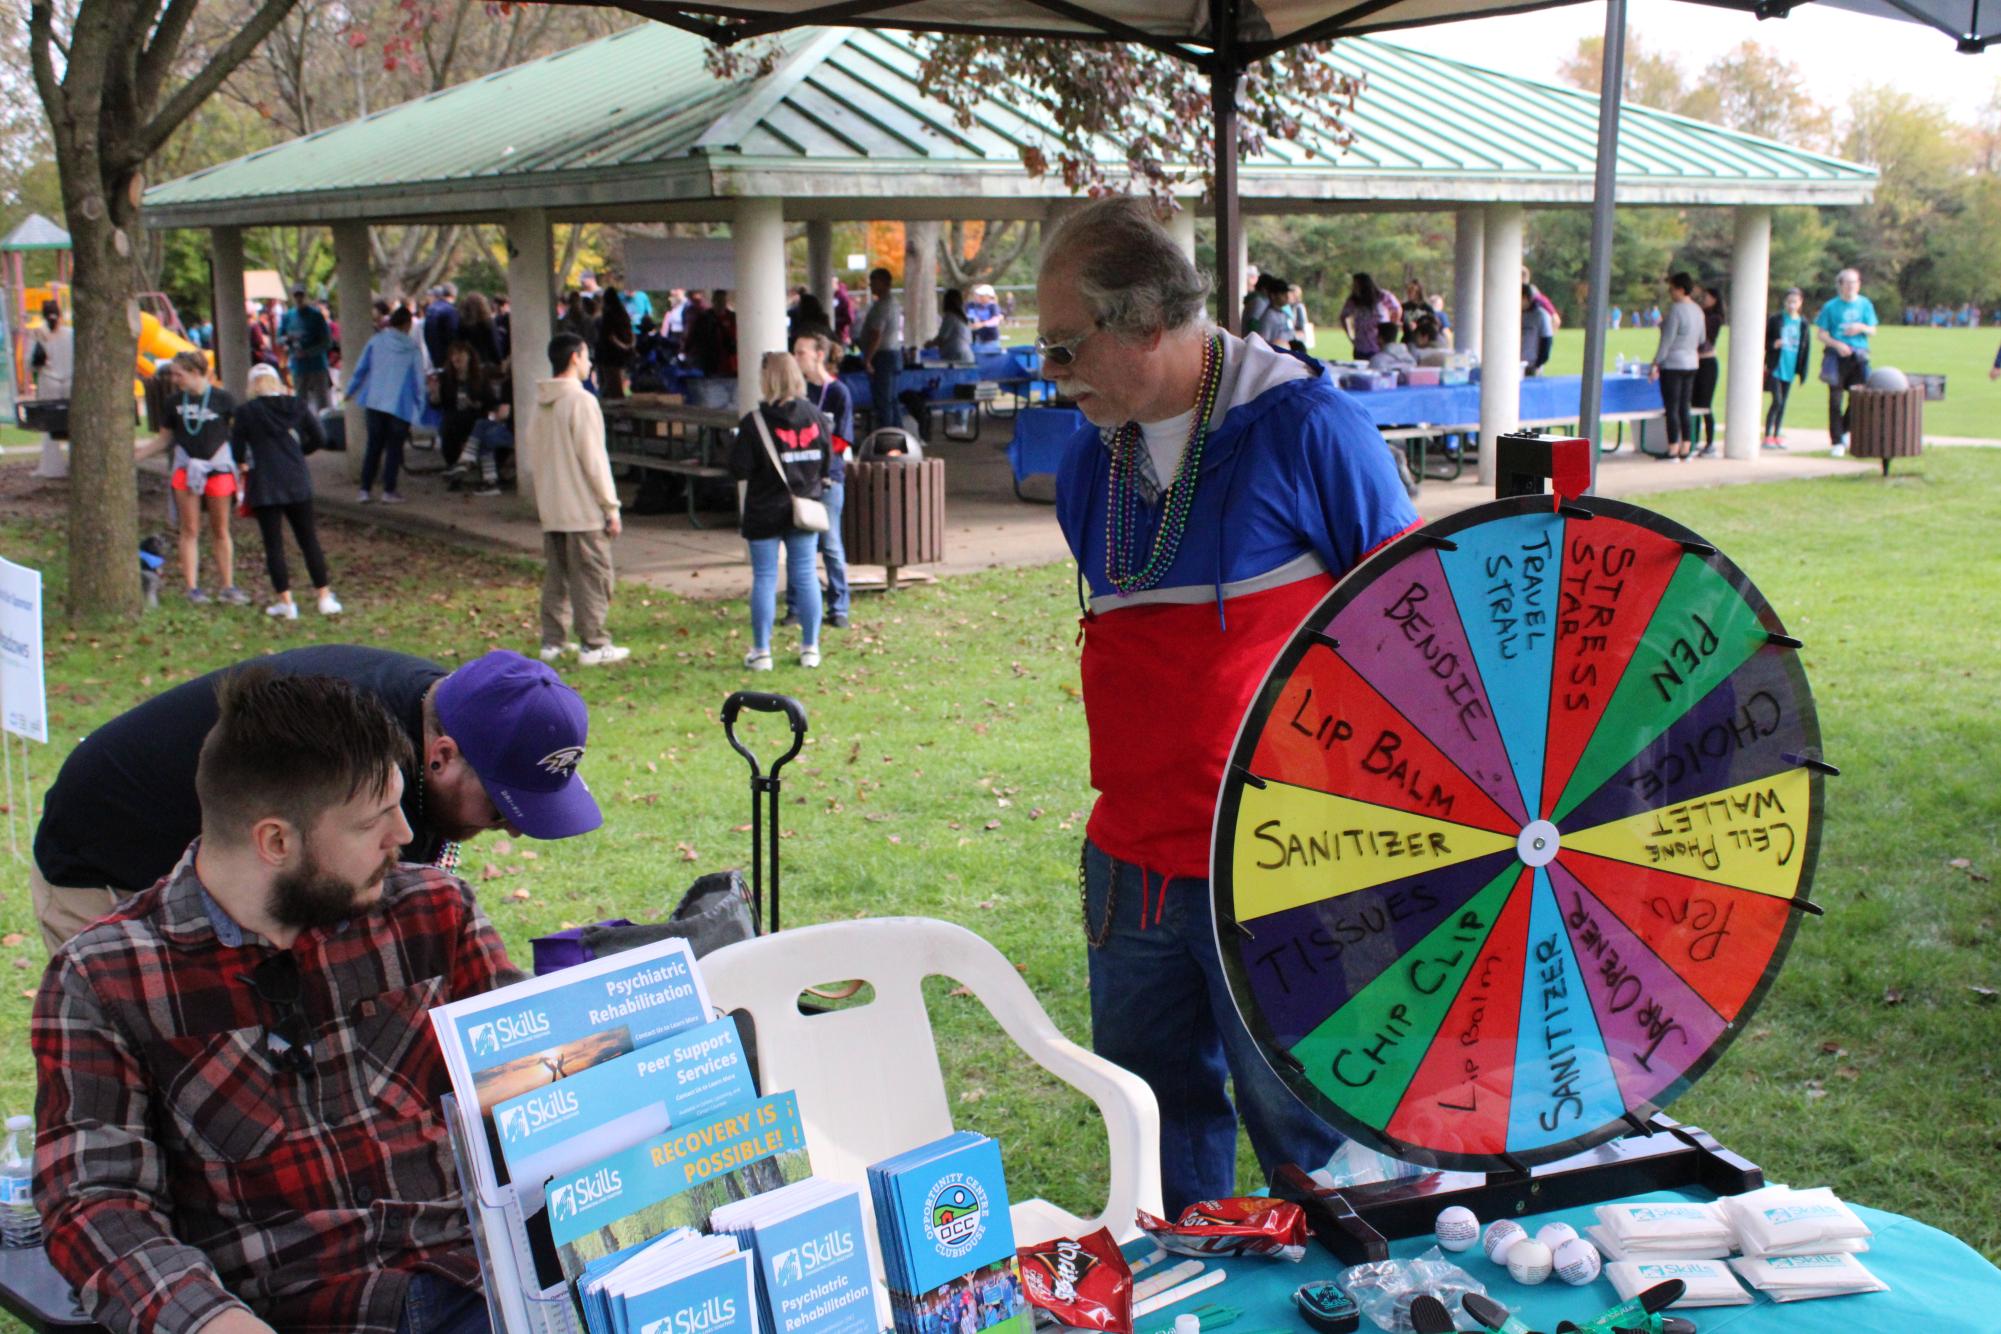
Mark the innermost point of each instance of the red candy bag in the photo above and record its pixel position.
(1084, 1283)
(1250, 1226)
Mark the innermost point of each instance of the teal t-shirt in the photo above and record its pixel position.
(1791, 329)
(1838, 312)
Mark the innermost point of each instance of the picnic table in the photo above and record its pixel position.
(675, 438)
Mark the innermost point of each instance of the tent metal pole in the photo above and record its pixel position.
(1224, 75)
(1598, 273)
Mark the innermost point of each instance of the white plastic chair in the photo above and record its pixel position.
(868, 1079)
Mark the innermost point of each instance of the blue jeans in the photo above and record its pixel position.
(1161, 1008)
(713, 391)
(830, 550)
(387, 434)
(802, 581)
(439, 1306)
(883, 368)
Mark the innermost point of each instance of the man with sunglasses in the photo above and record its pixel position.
(1223, 488)
(496, 744)
(237, 1120)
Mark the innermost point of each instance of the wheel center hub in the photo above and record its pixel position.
(1538, 843)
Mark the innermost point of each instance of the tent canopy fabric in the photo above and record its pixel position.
(842, 123)
(1260, 27)
(35, 232)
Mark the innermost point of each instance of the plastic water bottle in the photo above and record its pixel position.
(1619, 364)
(20, 1225)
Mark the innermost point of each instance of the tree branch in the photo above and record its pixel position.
(219, 67)
(41, 36)
(157, 56)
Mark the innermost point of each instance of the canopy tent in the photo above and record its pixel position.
(1224, 36)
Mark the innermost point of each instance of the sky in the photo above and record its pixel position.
(1839, 52)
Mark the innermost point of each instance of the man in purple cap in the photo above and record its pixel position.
(496, 745)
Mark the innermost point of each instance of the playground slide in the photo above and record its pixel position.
(158, 344)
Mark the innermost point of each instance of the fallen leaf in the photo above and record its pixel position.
(896, 838)
(1985, 993)
(520, 895)
(1814, 1089)
(503, 848)
(993, 824)
(652, 768)
(11, 939)
(987, 904)
(687, 852)
(1021, 968)
(1893, 996)
(530, 855)
(22, 963)
(28, 994)
(1847, 1072)
(960, 991)
(972, 1095)
(1832, 1049)
(1035, 812)
(1003, 803)
(740, 829)
(1960, 863)
(489, 872)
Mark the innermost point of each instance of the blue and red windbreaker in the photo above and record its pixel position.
(1296, 486)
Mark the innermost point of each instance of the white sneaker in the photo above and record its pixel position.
(758, 660)
(284, 611)
(604, 657)
(553, 652)
(809, 657)
(391, 498)
(329, 604)
(363, 498)
(1839, 451)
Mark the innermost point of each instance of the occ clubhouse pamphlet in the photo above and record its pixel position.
(520, 1039)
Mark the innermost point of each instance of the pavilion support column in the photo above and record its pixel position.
(920, 281)
(232, 324)
(757, 228)
(1182, 227)
(354, 283)
(1501, 334)
(1240, 260)
(820, 262)
(1469, 245)
(1750, 280)
(531, 297)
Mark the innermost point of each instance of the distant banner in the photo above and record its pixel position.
(660, 263)
(24, 708)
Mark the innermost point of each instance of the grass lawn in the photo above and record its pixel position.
(1971, 407)
(946, 776)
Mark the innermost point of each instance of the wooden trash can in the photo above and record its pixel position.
(1886, 424)
(894, 513)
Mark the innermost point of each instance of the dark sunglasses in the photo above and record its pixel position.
(286, 1039)
(1064, 352)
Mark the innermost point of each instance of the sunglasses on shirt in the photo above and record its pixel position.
(287, 1039)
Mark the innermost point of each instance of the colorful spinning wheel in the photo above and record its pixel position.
(1517, 832)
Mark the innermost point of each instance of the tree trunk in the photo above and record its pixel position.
(103, 494)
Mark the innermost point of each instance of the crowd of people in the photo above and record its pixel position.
(1965, 315)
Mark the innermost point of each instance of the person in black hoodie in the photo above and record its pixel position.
(272, 433)
(782, 450)
(463, 394)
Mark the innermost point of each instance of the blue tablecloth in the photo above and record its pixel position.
(935, 379)
(1937, 1283)
(1543, 397)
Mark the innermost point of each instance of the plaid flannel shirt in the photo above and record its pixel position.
(180, 1171)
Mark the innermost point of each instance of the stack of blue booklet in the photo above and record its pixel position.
(812, 1256)
(678, 1283)
(947, 1243)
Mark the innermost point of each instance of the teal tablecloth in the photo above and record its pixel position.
(1938, 1285)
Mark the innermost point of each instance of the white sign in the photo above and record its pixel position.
(661, 263)
(857, 261)
(24, 709)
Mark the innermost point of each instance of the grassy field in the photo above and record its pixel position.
(946, 776)
(1971, 407)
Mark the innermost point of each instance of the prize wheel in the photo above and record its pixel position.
(1517, 832)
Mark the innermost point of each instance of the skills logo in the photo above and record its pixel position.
(711, 1314)
(538, 1113)
(587, 1192)
(955, 1214)
(796, 1263)
(495, 1036)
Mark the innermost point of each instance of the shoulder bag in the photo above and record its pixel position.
(807, 515)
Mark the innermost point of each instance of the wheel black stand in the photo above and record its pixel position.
(1357, 1223)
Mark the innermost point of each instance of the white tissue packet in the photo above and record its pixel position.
(1780, 1219)
(1609, 1245)
(1671, 1225)
(1710, 1282)
(1793, 1278)
(1852, 1245)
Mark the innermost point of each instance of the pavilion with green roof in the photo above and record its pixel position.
(635, 127)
